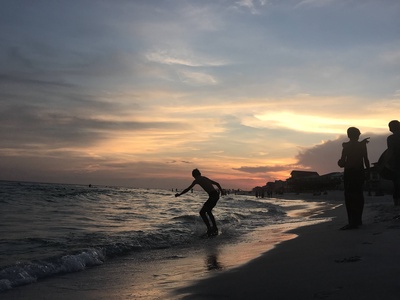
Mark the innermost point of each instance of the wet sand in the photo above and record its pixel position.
(312, 262)
(321, 263)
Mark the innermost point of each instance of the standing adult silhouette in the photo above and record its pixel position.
(354, 157)
(393, 158)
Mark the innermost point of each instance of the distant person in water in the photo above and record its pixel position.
(393, 144)
(354, 157)
(213, 197)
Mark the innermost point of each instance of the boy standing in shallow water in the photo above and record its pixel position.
(213, 197)
(354, 157)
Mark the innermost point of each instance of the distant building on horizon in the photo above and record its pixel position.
(296, 174)
(310, 181)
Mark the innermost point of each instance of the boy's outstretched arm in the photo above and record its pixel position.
(186, 190)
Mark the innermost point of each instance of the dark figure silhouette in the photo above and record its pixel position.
(393, 144)
(354, 157)
(213, 197)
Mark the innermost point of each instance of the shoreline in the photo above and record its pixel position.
(183, 275)
(322, 262)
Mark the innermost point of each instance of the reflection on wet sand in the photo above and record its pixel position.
(212, 260)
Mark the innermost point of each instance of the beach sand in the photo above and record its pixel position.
(313, 262)
(321, 263)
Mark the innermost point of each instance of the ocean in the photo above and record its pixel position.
(51, 229)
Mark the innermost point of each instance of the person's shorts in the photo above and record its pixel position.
(212, 201)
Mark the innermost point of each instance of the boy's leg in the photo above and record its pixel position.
(214, 229)
(211, 216)
(206, 210)
(204, 217)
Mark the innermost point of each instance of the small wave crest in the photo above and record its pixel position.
(29, 272)
(25, 273)
(185, 218)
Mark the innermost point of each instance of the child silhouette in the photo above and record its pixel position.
(213, 197)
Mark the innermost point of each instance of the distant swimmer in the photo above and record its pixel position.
(213, 197)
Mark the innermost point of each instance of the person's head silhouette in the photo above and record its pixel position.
(196, 173)
(394, 126)
(353, 133)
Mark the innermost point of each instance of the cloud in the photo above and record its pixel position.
(245, 90)
(252, 5)
(191, 68)
(16, 57)
(391, 58)
(162, 57)
(182, 57)
(72, 167)
(323, 158)
(196, 78)
(317, 123)
(264, 169)
(25, 80)
(204, 17)
(27, 125)
(315, 3)
(177, 162)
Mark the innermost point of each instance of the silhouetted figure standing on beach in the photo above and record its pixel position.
(393, 144)
(213, 197)
(354, 157)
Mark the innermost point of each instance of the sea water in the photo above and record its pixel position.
(52, 229)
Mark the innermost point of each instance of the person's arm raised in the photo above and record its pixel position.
(186, 190)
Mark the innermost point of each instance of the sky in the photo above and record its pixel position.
(138, 93)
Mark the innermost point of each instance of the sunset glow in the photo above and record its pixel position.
(141, 92)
